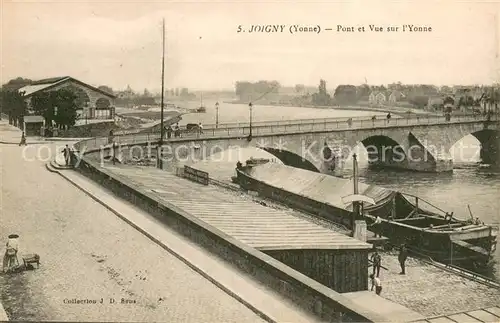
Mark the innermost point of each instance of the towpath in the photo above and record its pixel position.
(87, 252)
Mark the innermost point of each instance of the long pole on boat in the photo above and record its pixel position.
(355, 204)
(162, 131)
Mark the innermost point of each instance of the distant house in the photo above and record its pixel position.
(476, 94)
(395, 97)
(377, 98)
(449, 103)
(435, 102)
(93, 103)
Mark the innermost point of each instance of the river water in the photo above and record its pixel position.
(467, 185)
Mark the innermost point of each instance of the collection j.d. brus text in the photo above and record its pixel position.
(86, 301)
(297, 29)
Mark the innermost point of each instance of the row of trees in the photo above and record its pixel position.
(345, 94)
(251, 91)
(13, 105)
(59, 106)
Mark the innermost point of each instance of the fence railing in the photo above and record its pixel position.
(301, 126)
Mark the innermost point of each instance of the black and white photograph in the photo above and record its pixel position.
(249, 161)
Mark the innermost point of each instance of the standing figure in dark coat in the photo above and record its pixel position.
(67, 155)
(403, 254)
(169, 132)
(23, 140)
(376, 261)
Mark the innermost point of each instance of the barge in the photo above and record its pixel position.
(402, 218)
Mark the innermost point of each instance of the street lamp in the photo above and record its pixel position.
(250, 105)
(216, 115)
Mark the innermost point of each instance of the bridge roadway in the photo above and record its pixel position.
(295, 126)
(87, 252)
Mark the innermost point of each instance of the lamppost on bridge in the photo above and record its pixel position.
(216, 115)
(250, 105)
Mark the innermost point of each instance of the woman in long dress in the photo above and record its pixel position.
(10, 258)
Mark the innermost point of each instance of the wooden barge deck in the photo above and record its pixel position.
(304, 246)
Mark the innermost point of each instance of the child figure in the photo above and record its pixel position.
(376, 283)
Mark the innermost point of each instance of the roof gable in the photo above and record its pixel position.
(46, 84)
(51, 80)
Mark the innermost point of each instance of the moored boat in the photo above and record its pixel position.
(402, 218)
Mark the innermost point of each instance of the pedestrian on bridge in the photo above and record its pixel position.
(169, 132)
(177, 130)
(388, 117)
(200, 128)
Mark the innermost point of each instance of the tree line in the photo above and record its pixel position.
(56, 107)
(346, 94)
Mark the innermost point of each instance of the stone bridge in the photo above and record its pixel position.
(414, 144)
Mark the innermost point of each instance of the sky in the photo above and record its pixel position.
(119, 43)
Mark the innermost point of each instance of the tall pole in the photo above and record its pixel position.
(355, 204)
(162, 131)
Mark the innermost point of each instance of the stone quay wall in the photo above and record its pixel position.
(303, 291)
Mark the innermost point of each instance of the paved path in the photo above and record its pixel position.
(431, 291)
(256, 296)
(488, 315)
(12, 135)
(87, 252)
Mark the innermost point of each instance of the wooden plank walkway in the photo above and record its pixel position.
(258, 226)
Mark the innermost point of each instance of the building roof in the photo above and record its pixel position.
(33, 119)
(46, 84)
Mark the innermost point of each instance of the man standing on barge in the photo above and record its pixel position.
(403, 254)
(376, 262)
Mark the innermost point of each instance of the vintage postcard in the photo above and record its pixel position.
(237, 161)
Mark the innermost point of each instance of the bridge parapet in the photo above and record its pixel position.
(306, 141)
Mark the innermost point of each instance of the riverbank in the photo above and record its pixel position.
(402, 111)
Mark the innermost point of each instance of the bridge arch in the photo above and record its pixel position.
(291, 159)
(384, 150)
(487, 143)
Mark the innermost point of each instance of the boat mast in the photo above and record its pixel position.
(162, 131)
(355, 204)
